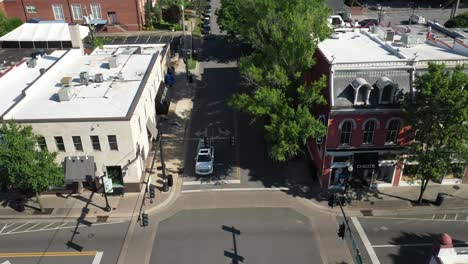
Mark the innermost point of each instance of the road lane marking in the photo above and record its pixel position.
(237, 141)
(47, 226)
(58, 227)
(148, 39)
(443, 218)
(236, 189)
(189, 183)
(32, 227)
(98, 257)
(415, 219)
(17, 228)
(6, 226)
(47, 254)
(415, 245)
(456, 216)
(136, 39)
(365, 240)
(433, 216)
(6, 262)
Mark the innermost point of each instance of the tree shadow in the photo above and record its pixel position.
(218, 49)
(416, 248)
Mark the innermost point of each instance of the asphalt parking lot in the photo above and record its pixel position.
(405, 239)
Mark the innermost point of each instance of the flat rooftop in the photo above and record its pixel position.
(16, 78)
(111, 98)
(363, 46)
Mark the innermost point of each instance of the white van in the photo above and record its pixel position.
(417, 19)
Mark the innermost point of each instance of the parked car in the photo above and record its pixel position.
(417, 19)
(368, 22)
(374, 7)
(205, 157)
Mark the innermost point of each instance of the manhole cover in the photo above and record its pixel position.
(102, 218)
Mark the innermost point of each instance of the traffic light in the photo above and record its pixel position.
(144, 219)
(233, 141)
(152, 193)
(331, 201)
(341, 230)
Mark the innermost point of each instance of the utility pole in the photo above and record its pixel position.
(455, 9)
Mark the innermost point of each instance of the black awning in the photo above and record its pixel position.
(78, 168)
(369, 160)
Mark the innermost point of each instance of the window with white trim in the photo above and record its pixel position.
(58, 12)
(346, 131)
(59, 144)
(96, 11)
(76, 11)
(41, 141)
(31, 9)
(392, 131)
(369, 130)
(113, 142)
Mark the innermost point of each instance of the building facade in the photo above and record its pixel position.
(101, 105)
(110, 15)
(368, 77)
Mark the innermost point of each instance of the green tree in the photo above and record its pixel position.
(460, 21)
(8, 24)
(23, 165)
(283, 36)
(148, 14)
(172, 14)
(438, 116)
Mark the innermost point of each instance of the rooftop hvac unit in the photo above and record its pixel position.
(113, 62)
(31, 63)
(98, 78)
(390, 35)
(409, 40)
(84, 78)
(65, 93)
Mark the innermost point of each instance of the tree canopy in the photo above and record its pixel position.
(438, 116)
(8, 24)
(23, 166)
(283, 36)
(460, 21)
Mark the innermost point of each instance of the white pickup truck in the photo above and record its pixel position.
(204, 158)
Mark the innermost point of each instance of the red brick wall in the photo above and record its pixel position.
(127, 13)
(357, 135)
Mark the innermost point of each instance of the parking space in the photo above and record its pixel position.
(28, 227)
(410, 239)
(172, 38)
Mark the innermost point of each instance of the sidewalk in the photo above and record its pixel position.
(72, 206)
(396, 200)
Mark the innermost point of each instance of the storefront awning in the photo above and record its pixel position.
(369, 160)
(78, 168)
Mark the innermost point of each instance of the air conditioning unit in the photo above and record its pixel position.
(113, 62)
(98, 78)
(65, 93)
(31, 63)
(84, 78)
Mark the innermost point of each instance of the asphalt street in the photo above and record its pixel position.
(406, 239)
(247, 164)
(48, 242)
(253, 235)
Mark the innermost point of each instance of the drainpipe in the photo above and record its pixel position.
(71, 13)
(138, 15)
(24, 11)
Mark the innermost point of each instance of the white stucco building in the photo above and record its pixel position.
(101, 105)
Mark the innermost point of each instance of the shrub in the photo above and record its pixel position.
(460, 21)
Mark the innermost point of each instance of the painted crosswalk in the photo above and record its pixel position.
(28, 227)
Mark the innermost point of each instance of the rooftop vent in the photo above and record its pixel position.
(98, 78)
(84, 78)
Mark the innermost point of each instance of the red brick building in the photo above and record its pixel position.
(367, 80)
(113, 15)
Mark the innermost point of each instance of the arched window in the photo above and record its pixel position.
(387, 94)
(346, 131)
(392, 131)
(369, 130)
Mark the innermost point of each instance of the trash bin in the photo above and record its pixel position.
(440, 199)
(170, 180)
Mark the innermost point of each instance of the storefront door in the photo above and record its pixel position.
(365, 166)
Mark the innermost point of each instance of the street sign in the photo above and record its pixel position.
(107, 184)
